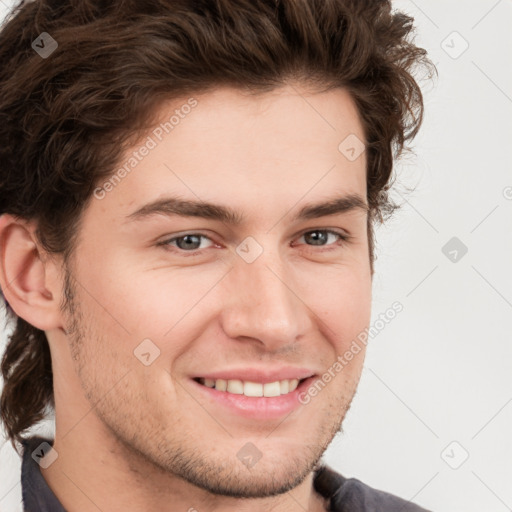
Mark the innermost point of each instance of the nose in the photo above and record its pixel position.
(261, 301)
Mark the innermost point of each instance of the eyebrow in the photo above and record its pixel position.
(170, 206)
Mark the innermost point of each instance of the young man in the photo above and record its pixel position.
(188, 193)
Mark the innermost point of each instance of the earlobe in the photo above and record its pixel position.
(25, 276)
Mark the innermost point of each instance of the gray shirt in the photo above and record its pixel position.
(344, 494)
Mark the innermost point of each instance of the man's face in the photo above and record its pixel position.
(273, 292)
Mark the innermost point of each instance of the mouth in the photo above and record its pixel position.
(252, 389)
(256, 401)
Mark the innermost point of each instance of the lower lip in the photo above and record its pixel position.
(259, 408)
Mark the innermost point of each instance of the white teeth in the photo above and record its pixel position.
(272, 389)
(293, 384)
(221, 385)
(235, 386)
(253, 389)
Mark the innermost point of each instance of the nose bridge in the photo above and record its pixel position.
(263, 303)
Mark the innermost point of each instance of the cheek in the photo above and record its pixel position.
(158, 299)
(346, 308)
(151, 318)
(344, 305)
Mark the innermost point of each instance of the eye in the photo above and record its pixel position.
(189, 242)
(320, 237)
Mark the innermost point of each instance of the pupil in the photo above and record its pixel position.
(315, 238)
(188, 240)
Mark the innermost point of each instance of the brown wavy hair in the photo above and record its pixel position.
(65, 120)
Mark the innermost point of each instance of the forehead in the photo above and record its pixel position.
(228, 146)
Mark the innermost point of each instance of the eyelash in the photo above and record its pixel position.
(343, 239)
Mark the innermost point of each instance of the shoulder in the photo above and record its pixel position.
(350, 494)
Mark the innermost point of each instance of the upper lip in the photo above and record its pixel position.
(259, 375)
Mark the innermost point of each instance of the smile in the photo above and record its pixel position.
(252, 389)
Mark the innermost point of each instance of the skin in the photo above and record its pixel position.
(139, 438)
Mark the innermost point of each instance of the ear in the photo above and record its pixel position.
(28, 277)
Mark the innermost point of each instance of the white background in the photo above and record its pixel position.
(437, 383)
